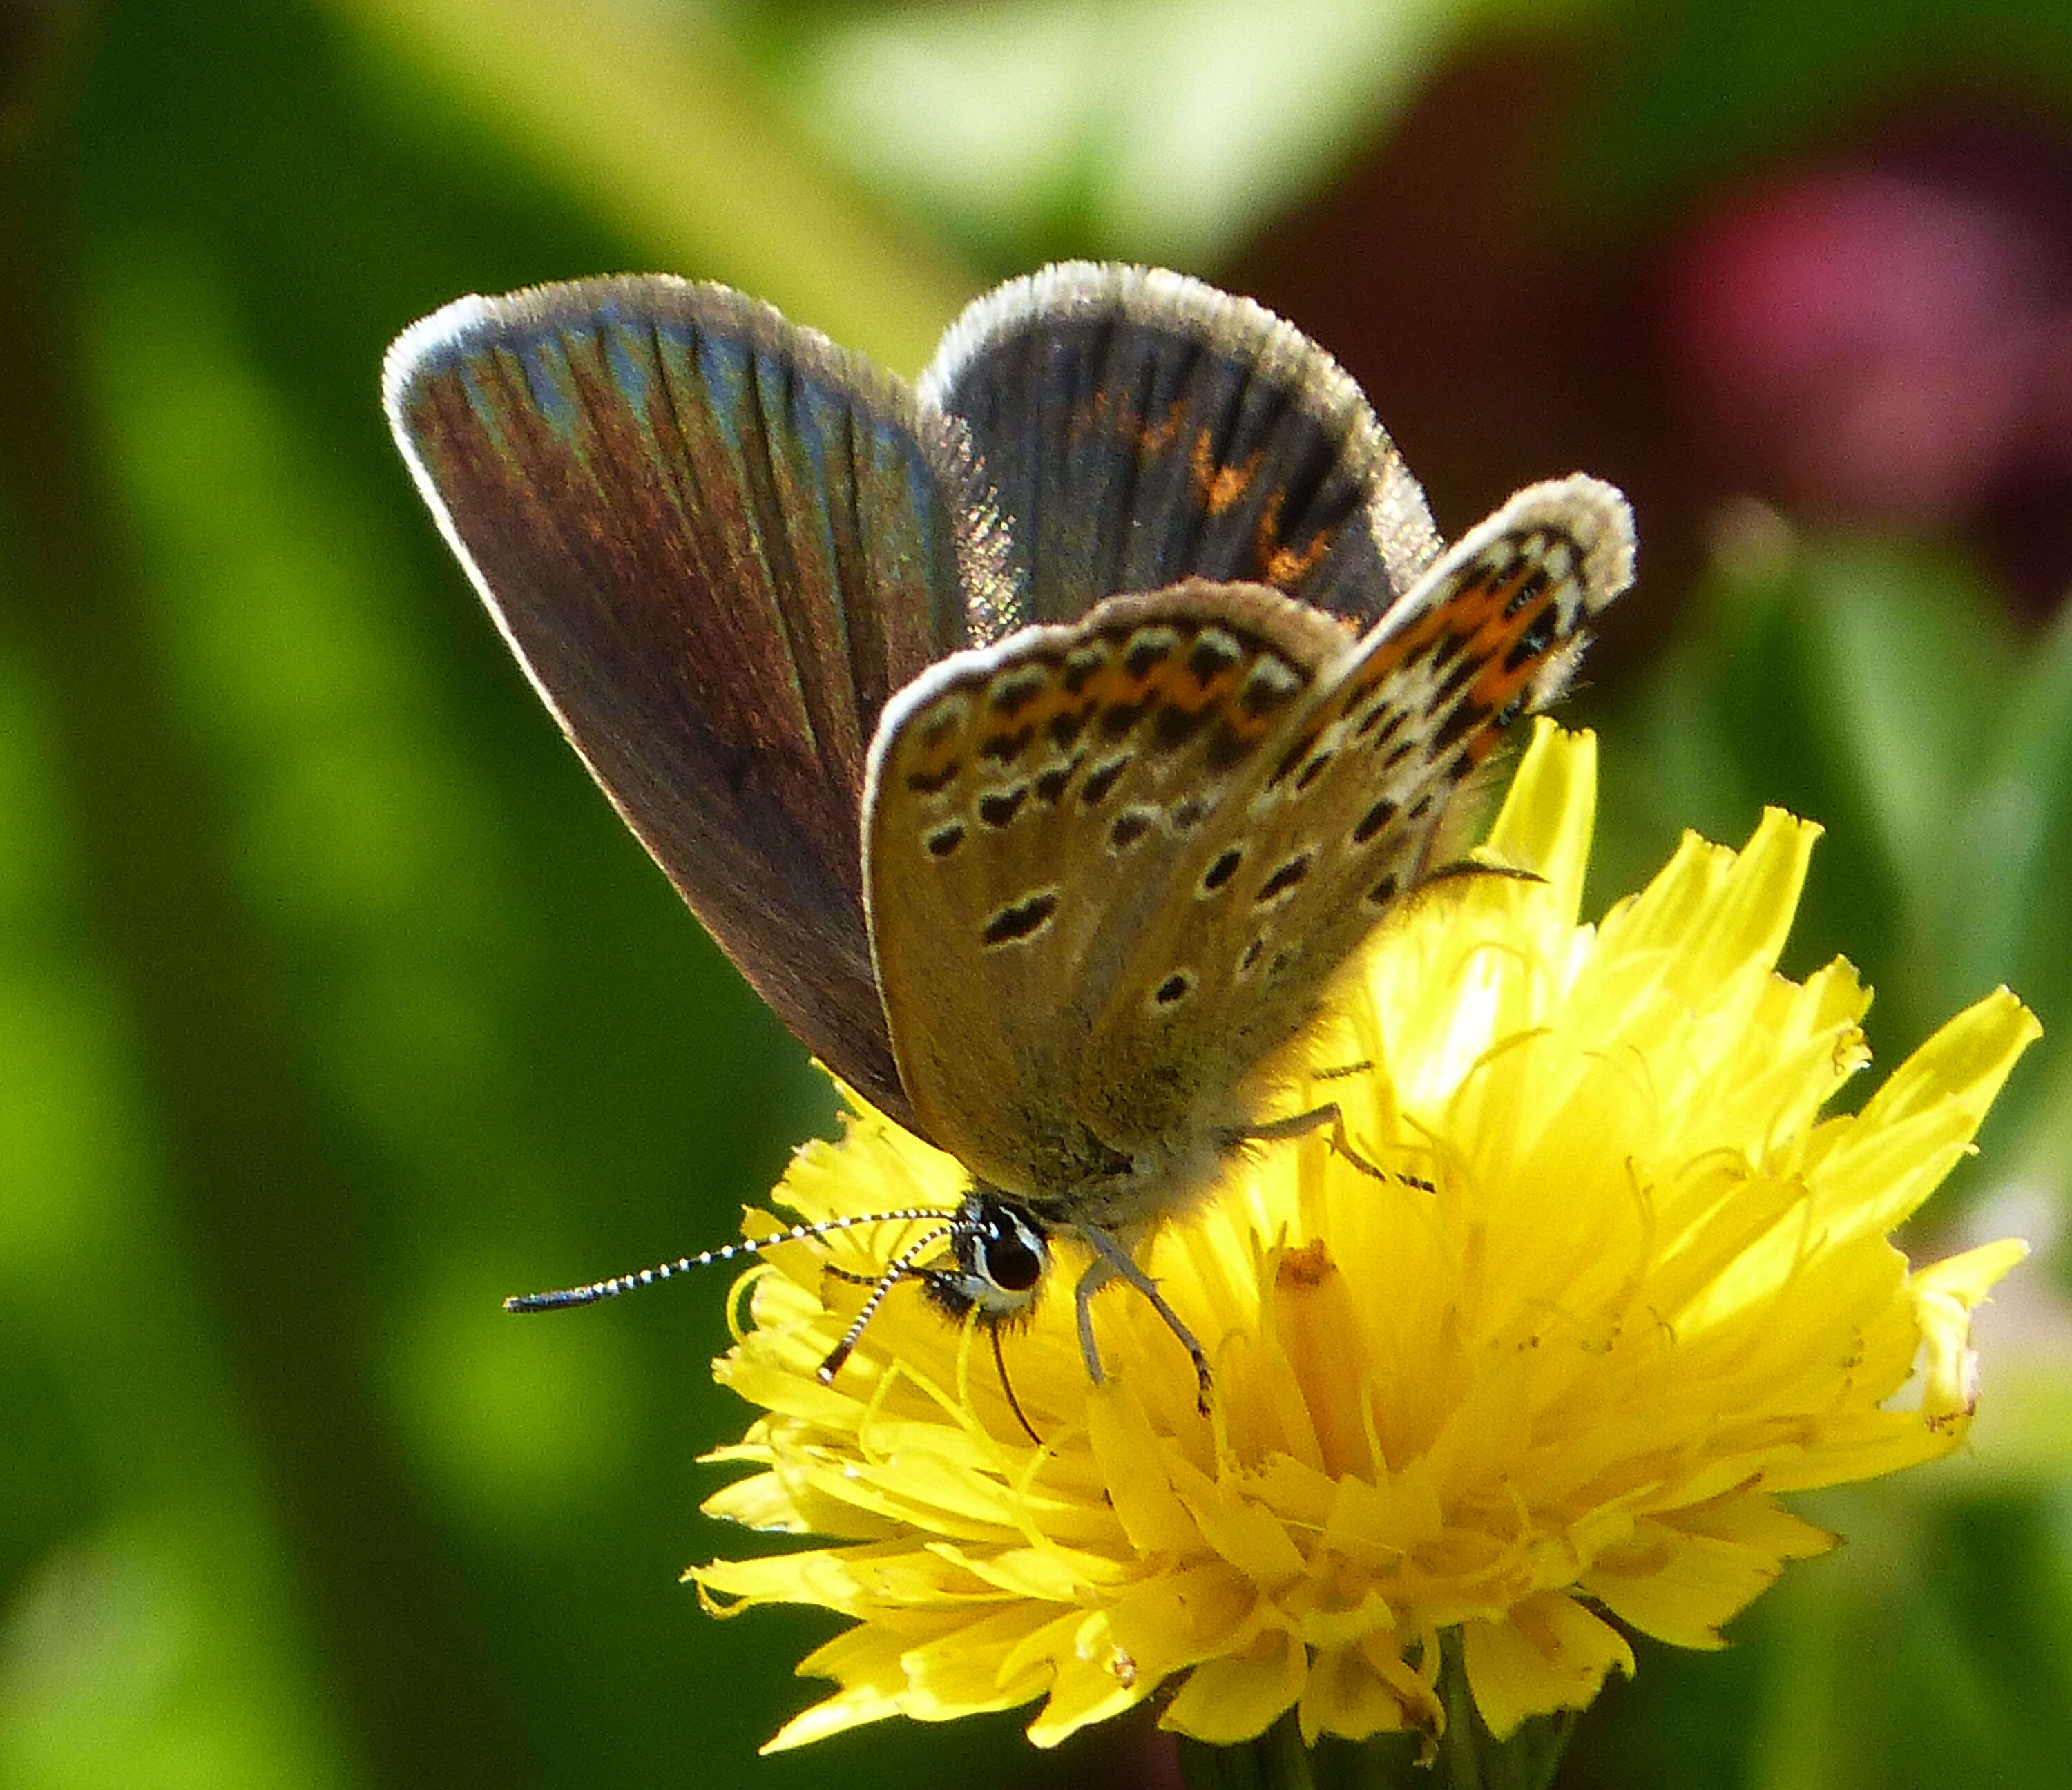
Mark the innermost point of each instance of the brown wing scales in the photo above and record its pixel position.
(1026, 806)
(718, 545)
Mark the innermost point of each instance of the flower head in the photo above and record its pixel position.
(1542, 1381)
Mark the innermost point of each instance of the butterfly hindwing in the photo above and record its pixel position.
(1026, 806)
(1139, 429)
(1325, 835)
(718, 545)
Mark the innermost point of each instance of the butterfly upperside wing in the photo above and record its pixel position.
(1336, 819)
(1026, 804)
(718, 545)
(1140, 427)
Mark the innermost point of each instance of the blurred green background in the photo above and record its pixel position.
(334, 1004)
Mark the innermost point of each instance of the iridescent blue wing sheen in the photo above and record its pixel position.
(717, 544)
(1139, 427)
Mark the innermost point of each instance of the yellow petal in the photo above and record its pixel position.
(1344, 1695)
(1545, 823)
(1239, 1696)
(1549, 1654)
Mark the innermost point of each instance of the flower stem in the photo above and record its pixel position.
(1467, 1756)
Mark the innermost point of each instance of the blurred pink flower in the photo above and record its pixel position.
(1875, 345)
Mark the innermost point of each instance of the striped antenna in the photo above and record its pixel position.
(731, 1252)
(892, 1276)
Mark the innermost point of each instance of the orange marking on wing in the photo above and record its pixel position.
(1475, 612)
(1164, 679)
(1283, 565)
(1087, 417)
(1155, 438)
(1052, 702)
(1286, 566)
(1474, 618)
(1221, 486)
(1498, 682)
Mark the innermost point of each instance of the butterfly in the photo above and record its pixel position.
(1038, 739)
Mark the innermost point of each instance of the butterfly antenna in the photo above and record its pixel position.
(900, 1269)
(731, 1252)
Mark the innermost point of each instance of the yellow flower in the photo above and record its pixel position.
(1547, 1384)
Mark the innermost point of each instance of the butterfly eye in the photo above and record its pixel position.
(1012, 1258)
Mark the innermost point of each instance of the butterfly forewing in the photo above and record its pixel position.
(1321, 839)
(718, 545)
(1139, 429)
(1027, 805)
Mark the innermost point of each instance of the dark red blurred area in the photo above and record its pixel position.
(1875, 334)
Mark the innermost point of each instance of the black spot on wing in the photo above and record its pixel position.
(1283, 879)
(1530, 590)
(1458, 675)
(1065, 727)
(1050, 787)
(1020, 919)
(1000, 808)
(923, 782)
(1464, 718)
(1272, 685)
(1227, 749)
(1014, 692)
(1315, 769)
(1383, 716)
(1214, 653)
(1103, 780)
(1148, 649)
(1080, 665)
(1001, 748)
(1117, 721)
(1130, 825)
(1535, 640)
(1372, 821)
(1174, 726)
(1221, 871)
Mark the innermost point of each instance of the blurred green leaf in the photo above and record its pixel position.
(1161, 130)
(1852, 682)
(653, 123)
(2007, 914)
(1701, 91)
(1885, 1669)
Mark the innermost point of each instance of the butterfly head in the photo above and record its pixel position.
(999, 1253)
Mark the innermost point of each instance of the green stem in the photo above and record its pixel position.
(1467, 1756)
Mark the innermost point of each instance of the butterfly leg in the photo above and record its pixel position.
(1276, 1131)
(1113, 1261)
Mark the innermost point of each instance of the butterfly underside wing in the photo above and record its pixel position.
(1139, 427)
(718, 545)
(1112, 864)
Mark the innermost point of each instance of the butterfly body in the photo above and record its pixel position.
(1040, 740)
